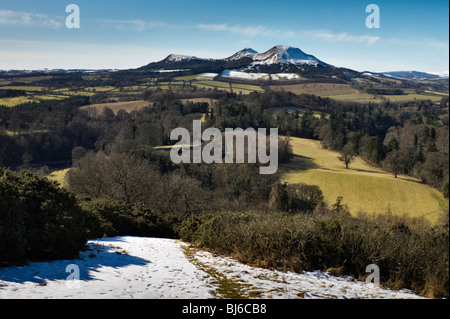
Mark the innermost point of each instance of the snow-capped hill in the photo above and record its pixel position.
(283, 54)
(179, 57)
(280, 59)
(444, 74)
(247, 52)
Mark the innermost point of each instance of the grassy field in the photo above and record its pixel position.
(413, 96)
(59, 176)
(117, 106)
(293, 109)
(25, 88)
(13, 101)
(321, 89)
(363, 187)
(344, 92)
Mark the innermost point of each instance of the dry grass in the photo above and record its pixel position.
(117, 106)
(59, 176)
(363, 187)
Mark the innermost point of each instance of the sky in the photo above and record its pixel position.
(413, 35)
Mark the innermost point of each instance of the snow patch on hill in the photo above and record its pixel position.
(258, 76)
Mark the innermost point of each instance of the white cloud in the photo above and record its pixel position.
(421, 42)
(249, 31)
(254, 31)
(17, 18)
(136, 25)
(343, 37)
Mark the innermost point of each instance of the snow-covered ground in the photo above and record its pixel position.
(258, 76)
(135, 267)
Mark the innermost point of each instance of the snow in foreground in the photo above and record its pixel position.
(134, 267)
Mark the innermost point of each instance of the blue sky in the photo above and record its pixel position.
(413, 35)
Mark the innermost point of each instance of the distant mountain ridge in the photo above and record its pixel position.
(278, 59)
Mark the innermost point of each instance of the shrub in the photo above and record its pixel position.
(38, 219)
(409, 256)
(109, 217)
(303, 197)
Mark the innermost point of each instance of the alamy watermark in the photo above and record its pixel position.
(373, 19)
(374, 276)
(73, 280)
(207, 147)
(73, 19)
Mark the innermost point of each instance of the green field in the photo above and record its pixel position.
(362, 186)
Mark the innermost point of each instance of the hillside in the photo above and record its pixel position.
(362, 186)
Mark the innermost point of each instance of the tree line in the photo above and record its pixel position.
(404, 137)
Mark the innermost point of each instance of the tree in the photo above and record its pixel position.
(278, 199)
(303, 197)
(26, 161)
(284, 149)
(395, 162)
(78, 153)
(340, 209)
(445, 190)
(14, 123)
(347, 155)
(435, 169)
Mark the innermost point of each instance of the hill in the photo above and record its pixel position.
(362, 186)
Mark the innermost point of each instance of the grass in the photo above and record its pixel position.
(362, 186)
(226, 288)
(13, 101)
(344, 92)
(414, 96)
(200, 100)
(31, 79)
(59, 176)
(99, 88)
(293, 109)
(25, 88)
(320, 89)
(117, 106)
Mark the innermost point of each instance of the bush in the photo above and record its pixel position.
(38, 220)
(409, 256)
(108, 218)
(303, 197)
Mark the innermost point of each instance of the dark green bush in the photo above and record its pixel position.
(38, 220)
(108, 217)
(410, 257)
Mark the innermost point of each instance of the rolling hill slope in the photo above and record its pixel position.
(362, 186)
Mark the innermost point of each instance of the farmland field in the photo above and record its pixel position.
(321, 89)
(362, 186)
(25, 88)
(117, 106)
(345, 92)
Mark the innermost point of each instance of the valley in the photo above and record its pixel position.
(280, 68)
(93, 148)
